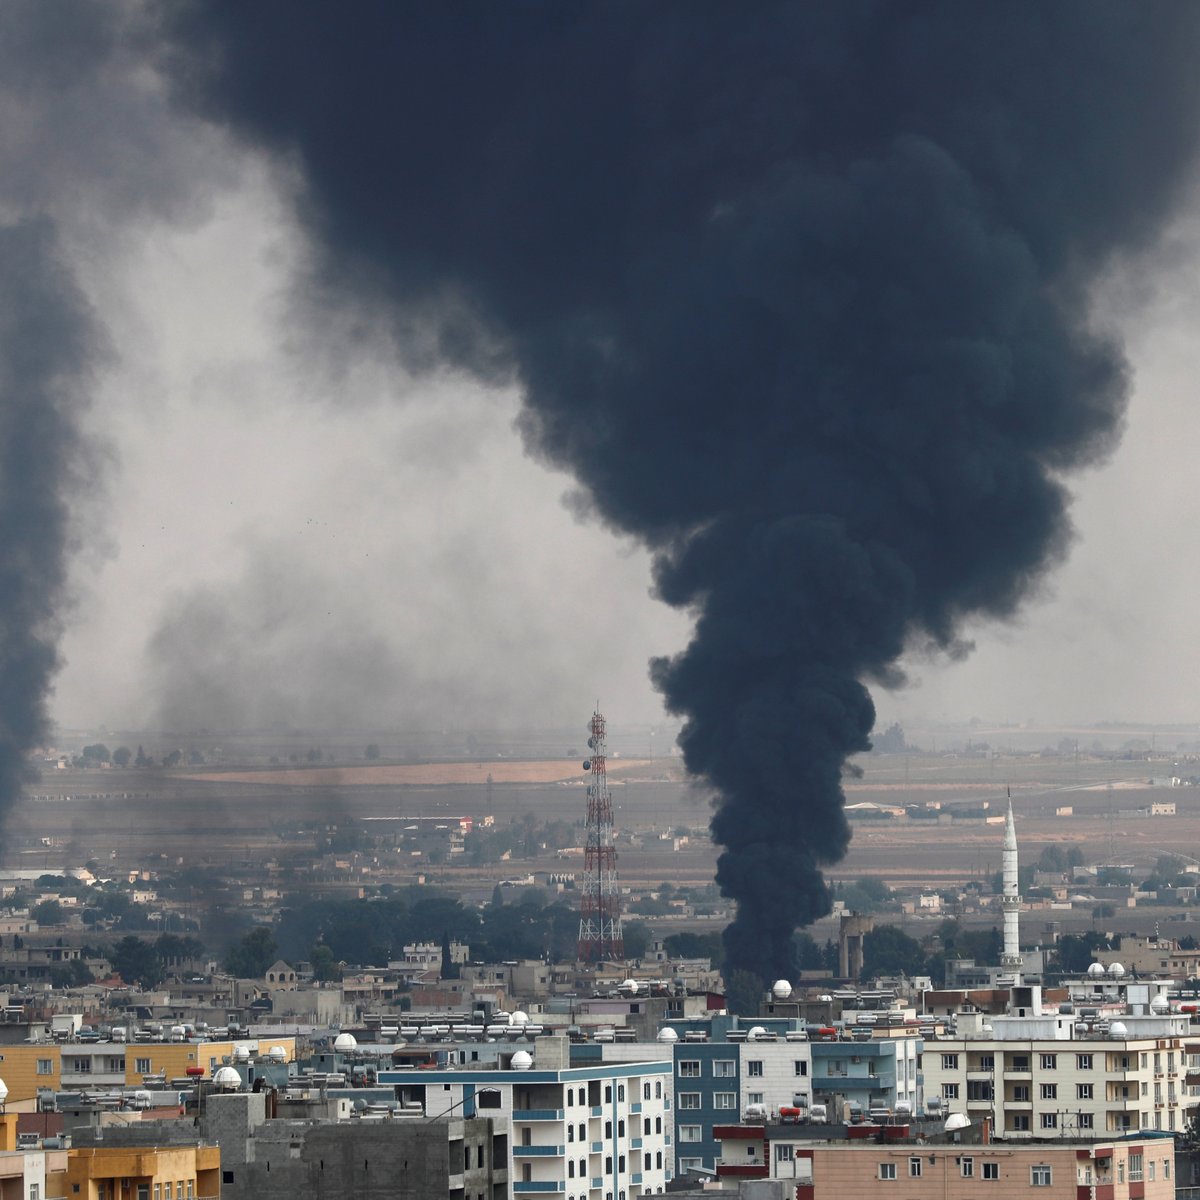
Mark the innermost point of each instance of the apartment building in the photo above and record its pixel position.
(890, 1170)
(758, 1071)
(56, 1066)
(1040, 1075)
(595, 1132)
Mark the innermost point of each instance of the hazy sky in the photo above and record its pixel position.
(290, 530)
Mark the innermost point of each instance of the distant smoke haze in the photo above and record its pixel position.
(798, 293)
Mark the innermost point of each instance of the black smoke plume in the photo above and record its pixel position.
(798, 291)
(49, 346)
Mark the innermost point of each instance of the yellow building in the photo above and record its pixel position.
(139, 1173)
(71, 1066)
(27, 1173)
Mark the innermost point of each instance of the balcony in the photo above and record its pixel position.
(527, 1186)
(539, 1151)
(597, 1148)
(636, 1108)
(597, 1110)
(635, 1143)
(597, 1182)
(537, 1114)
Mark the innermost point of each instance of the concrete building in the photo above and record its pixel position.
(56, 1066)
(1055, 1073)
(354, 1158)
(598, 1132)
(1114, 1170)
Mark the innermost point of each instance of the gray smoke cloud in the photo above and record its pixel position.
(798, 292)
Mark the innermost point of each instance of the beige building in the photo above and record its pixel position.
(867, 1169)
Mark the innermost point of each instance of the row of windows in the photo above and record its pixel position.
(608, 1128)
(1049, 1062)
(689, 1100)
(1020, 1123)
(978, 1089)
(726, 1068)
(1039, 1176)
(649, 1163)
(571, 1092)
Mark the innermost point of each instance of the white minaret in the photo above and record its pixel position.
(1010, 960)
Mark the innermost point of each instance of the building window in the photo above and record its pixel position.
(689, 1133)
(1049, 1091)
(754, 1067)
(1049, 1062)
(1020, 1122)
(724, 1068)
(621, 1163)
(608, 1093)
(570, 1097)
(45, 1066)
(1083, 1062)
(689, 1099)
(1166, 1168)
(914, 1168)
(1083, 1091)
(949, 1062)
(689, 1068)
(1049, 1120)
(35, 1191)
(570, 1134)
(949, 1091)
(658, 1124)
(987, 1062)
(1135, 1168)
(658, 1089)
(646, 1161)
(142, 1066)
(887, 1170)
(800, 1066)
(646, 1090)
(620, 1091)
(1039, 1176)
(1149, 1170)
(685, 1165)
(725, 1100)
(570, 1168)
(1085, 1121)
(991, 1170)
(1020, 1093)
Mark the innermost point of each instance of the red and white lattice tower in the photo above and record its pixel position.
(600, 934)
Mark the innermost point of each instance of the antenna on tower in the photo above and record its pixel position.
(600, 935)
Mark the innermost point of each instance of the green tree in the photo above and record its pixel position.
(97, 753)
(637, 938)
(325, 966)
(122, 755)
(250, 957)
(743, 993)
(888, 950)
(49, 912)
(135, 961)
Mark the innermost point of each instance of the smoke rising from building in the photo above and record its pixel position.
(798, 292)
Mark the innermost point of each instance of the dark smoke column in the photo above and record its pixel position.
(797, 290)
(48, 347)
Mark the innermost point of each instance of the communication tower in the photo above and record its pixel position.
(600, 934)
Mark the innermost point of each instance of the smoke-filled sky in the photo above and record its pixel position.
(270, 514)
(819, 312)
(283, 530)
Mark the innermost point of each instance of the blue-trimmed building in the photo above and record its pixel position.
(594, 1132)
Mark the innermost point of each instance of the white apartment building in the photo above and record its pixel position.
(1045, 1075)
(600, 1132)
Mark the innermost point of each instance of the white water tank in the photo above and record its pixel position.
(345, 1043)
(781, 989)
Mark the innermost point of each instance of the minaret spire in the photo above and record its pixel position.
(1010, 959)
